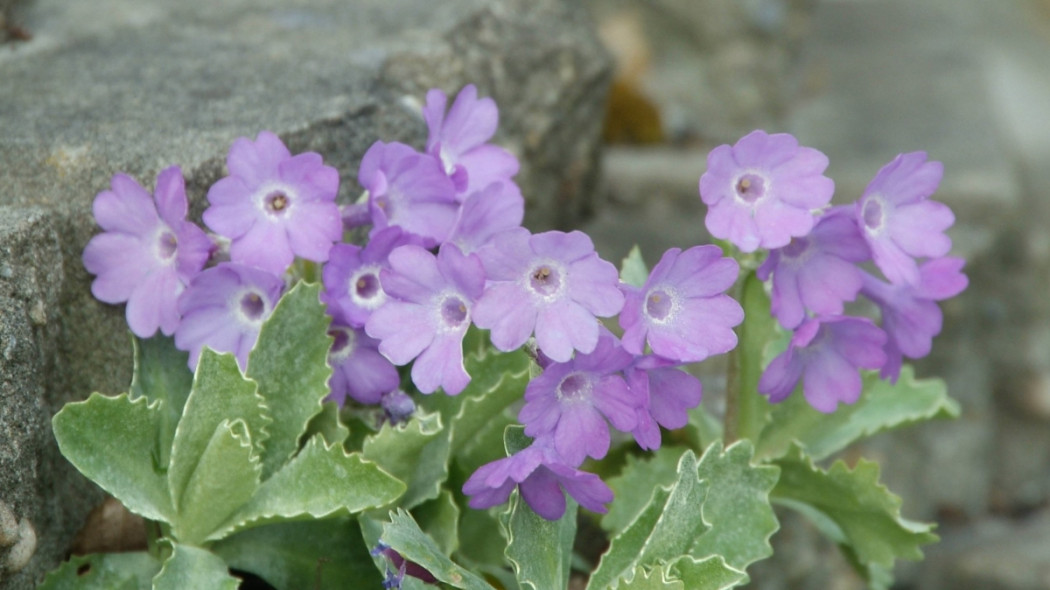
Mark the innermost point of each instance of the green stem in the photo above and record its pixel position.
(746, 409)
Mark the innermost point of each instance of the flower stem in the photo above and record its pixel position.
(746, 409)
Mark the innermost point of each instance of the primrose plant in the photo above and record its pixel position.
(413, 389)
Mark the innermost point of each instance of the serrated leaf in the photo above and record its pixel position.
(650, 578)
(416, 452)
(321, 481)
(193, 567)
(219, 393)
(328, 424)
(865, 512)
(737, 506)
(111, 440)
(758, 328)
(104, 571)
(633, 270)
(439, 518)
(634, 487)
(709, 573)
(290, 364)
(160, 373)
(539, 550)
(224, 478)
(403, 535)
(663, 531)
(323, 554)
(882, 406)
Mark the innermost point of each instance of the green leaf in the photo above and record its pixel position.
(756, 331)
(324, 554)
(710, 573)
(439, 518)
(219, 394)
(403, 535)
(104, 571)
(654, 578)
(290, 364)
(415, 452)
(882, 406)
(160, 373)
(737, 506)
(224, 478)
(540, 550)
(634, 486)
(321, 481)
(665, 529)
(192, 567)
(633, 270)
(865, 513)
(112, 441)
(328, 424)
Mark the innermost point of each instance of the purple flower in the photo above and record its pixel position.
(224, 308)
(816, 272)
(541, 475)
(762, 191)
(428, 314)
(351, 277)
(826, 353)
(358, 370)
(275, 206)
(148, 252)
(397, 406)
(487, 213)
(668, 393)
(552, 283)
(910, 315)
(899, 221)
(571, 401)
(458, 140)
(682, 309)
(408, 189)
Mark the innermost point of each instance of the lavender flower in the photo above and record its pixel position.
(398, 406)
(551, 283)
(668, 393)
(487, 213)
(275, 206)
(541, 475)
(682, 310)
(571, 401)
(224, 308)
(458, 140)
(428, 314)
(358, 370)
(826, 353)
(408, 189)
(351, 277)
(816, 272)
(762, 191)
(910, 315)
(899, 221)
(147, 253)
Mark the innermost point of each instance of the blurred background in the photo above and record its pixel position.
(968, 81)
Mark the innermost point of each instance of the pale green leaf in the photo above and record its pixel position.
(104, 571)
(882, 406)
(416, 452)
(539, 550)
(322, 554)
(439, 518)
(865, 512)
(220, 393)
(755, 332)
(709, 573)
(321, 481)
(328, 424)
(737, 506)
(633, 270)
(650, 578)
(290, 364)
(160, 374)
(224, 478)
(193, 567)
(112, 441)
(663, 531)
(403, 535)
(635, 484)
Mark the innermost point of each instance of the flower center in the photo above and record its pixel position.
(658, 305)
(277, 202)
(574, 387)
(365, 290)
(750, 187)
(167, 245)
(345, 341)
(252, 306)
(795, 248)
(544, 280)
(453, 311)
(873, 214)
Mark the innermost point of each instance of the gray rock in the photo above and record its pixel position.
(992, 554)
(132, 86)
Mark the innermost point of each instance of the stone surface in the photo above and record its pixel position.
(992, 554)
(135, 86)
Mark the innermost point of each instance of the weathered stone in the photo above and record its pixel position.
(992, 554)
(134, 86)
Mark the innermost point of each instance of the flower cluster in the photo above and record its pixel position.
(766, 191)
